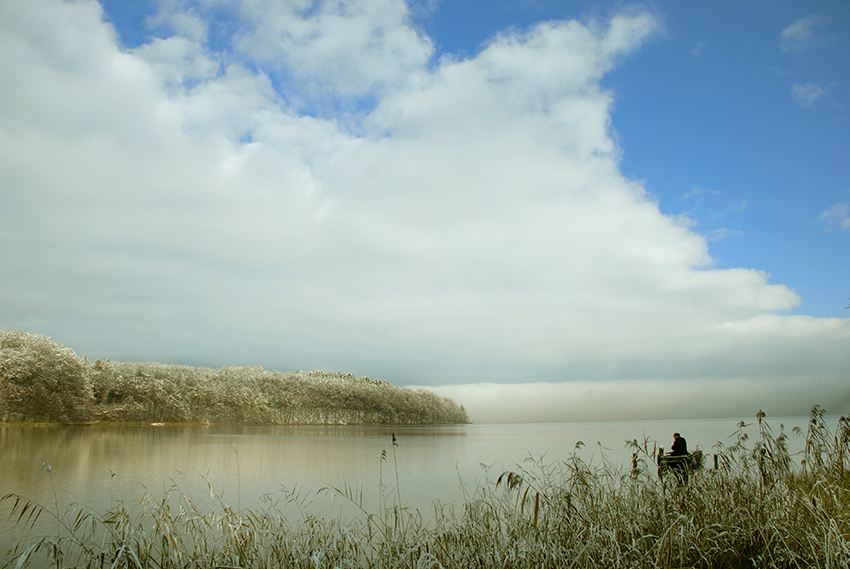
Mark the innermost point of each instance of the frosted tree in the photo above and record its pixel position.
(45, 381)
(41, 380)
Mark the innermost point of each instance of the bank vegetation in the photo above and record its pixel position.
(45, 382)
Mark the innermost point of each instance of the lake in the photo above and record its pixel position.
(98, 466)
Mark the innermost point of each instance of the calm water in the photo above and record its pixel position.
(99, 466)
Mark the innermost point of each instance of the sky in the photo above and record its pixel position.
(546, 210)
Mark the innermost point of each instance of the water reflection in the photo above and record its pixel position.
(101, 465)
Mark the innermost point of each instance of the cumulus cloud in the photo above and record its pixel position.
(182, 201)
(838, 215)
(807, 94)
(351, 47)
(802, 34)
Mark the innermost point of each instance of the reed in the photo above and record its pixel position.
(761, 507)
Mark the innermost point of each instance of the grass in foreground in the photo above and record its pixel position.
(760, 508)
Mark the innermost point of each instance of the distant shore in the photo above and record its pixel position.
(45, 382)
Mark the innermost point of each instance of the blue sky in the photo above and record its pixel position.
(711, 106)
(607, 207)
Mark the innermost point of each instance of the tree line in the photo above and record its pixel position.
(44, 381)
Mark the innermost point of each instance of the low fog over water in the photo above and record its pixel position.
(644, 399)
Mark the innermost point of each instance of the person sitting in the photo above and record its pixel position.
(680, 445)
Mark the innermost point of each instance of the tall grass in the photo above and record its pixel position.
(761, 507)
(43, 381)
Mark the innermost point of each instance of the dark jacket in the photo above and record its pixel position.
(680, 447)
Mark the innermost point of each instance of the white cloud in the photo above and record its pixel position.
(723, 233)
(178, 18)
(174, 203)
(178, 61)
(801, 35)
(350, 47)
(838, 215)
(807, 94)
